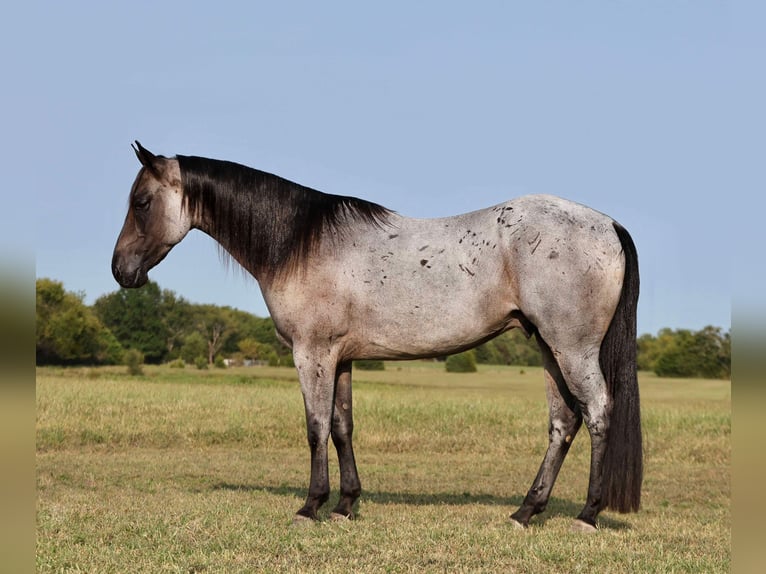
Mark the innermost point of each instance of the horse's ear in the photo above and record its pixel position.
(147, 158)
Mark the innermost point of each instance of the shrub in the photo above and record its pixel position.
(461, 363)
(178, 364)
(134, 360)
(200, 363)
(370, 365)
(219, 362)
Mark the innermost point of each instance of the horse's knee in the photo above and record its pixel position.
(342, 429)
(317, 432)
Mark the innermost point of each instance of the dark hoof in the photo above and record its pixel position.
(517, 525)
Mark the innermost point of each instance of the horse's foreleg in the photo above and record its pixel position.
(565, 420)
(342, 429)
(317, 378)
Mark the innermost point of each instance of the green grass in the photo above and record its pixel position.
(201, 471)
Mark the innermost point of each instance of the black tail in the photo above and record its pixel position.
(623, 467)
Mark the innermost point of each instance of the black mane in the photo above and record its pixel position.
(267, 223)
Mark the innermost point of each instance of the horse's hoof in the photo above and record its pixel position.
(302, 521)
(338, 517)
(517, 525)
(582, 527)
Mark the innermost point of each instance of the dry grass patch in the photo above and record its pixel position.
(202, 472)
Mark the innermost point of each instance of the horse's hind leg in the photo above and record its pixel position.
(342, 429)
(586, 382)
(565, 420)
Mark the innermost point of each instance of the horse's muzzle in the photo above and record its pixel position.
(127, 275)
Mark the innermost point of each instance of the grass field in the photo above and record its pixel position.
(201, 471)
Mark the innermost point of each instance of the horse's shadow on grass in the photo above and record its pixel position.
(557, 507)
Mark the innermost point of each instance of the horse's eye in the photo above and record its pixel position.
(141, 204)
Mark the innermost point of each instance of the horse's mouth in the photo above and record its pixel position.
(131, 279)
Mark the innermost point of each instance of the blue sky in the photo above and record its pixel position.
(649, 112)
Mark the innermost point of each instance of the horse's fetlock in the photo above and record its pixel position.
(319, 497)
(354, 492)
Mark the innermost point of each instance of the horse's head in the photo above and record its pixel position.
(157, 219)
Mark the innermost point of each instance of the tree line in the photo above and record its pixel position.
(161, 325)
(165, 328)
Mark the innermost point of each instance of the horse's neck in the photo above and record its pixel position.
(228, 234)
(250, 230)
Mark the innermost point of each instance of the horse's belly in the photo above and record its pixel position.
(430, 325)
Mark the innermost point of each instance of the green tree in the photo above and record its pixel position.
(712, 348)
(177, 319)
(193, 347)
(246, 326)
(683, 353)
(648, 351)
(67, 331)
(258, 351)
(135, 317)
(250, 348)
(510, 348)
(215, 326)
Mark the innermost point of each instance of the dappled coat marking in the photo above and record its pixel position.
(347, 279)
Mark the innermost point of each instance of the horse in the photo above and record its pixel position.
(346, 279)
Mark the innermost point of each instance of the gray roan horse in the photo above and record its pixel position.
(347, 279)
